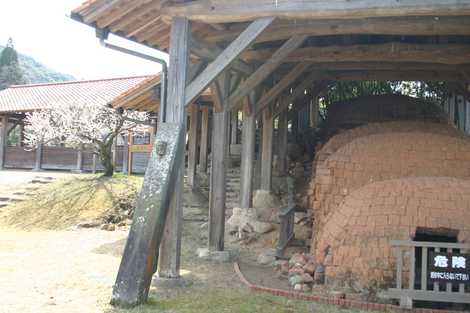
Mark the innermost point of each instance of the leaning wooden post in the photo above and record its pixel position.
(282, 144)
(204, 140)
(267, 150)
(221, 120)
(3, 140)
(192, 152)
(170, 250)
(248, 156)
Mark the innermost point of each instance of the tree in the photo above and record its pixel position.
(10, 71)
(88, 125)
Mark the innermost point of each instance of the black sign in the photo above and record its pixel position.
(449, 267)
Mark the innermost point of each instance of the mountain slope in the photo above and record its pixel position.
(35, 72)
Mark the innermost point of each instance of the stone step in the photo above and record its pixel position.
(4, 204)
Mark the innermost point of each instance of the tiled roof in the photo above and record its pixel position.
(24, 98)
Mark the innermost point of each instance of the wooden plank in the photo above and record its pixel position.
(461, 112)
(449, 285)
(424, 268)
(436, 284)
(269, 65)
(247, 156)
(411, 279)
(428, 295)
(281, 86)
(3, 140)
(222, 11)
(267, 150)
(467, 116)
(399, 268)
(217, 203)
(204, 140)
(399, 26)
(193, 143)
(387, 52)
(170, 250)
(224, 59)
(409, 243)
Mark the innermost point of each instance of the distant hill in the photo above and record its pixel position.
(34, 72)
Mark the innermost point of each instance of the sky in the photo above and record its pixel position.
(43, 30)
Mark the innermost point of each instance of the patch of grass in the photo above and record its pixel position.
(230, 301)
(72, 200)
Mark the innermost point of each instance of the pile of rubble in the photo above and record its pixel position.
(301, 271)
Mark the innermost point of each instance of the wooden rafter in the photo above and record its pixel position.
(224, 59)
(402, 26)
(389, 52)
(279, 88)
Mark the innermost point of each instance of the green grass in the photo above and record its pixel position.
(72, 200)
(230, 301)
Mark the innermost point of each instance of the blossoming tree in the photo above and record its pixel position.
(90, 125)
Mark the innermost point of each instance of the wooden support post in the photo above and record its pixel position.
(192, 151)
(3, 140)
(220, 142)
(234, 129)
(80, 159)
(248, 157)
(93, 166)
(170, 250)
(125, 155)
(295, 125)
(314, 114)
(452, 109)
(461, 112)
(467, 117)
(203, 150)
(267, 150)
(38, 163)
(282, 143)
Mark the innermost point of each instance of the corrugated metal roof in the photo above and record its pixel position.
(24, 98)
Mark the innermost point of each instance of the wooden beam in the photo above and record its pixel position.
(3, 140)
(267, 150)
(210, 51)
(222, 11)
(391, 76)
(281, 86)
(170, 250)
(226, 58)
(203, 150)
(388, 66)
(399, 26)
(269, 65)
(193, 141)
(217, 203)
(389, 52)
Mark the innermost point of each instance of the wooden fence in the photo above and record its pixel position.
(412, 281)
(63, 158)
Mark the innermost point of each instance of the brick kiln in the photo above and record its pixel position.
(381, 182)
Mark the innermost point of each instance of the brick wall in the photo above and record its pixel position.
(357, 233)
(383, 108)
(386, 156)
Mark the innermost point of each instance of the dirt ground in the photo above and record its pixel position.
(13, 179)
(73, 270)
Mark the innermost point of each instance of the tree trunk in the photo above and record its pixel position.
(106, 158)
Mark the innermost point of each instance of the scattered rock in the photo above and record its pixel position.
(295, 280)
(309, 268)
(306, 278)
(262, 228)
(298, 287)
(299, 217)
(265, 204)
(306, 288)
(111, 227)
(298, 259)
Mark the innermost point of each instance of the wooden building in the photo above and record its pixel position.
(268, 59)
(16, 101)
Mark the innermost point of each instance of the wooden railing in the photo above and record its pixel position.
(418, 286)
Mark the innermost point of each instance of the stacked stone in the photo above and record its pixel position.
(299, 270)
